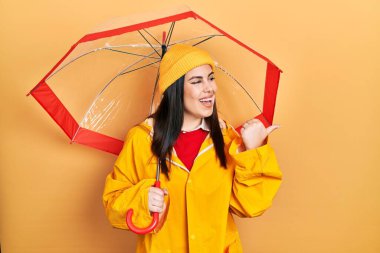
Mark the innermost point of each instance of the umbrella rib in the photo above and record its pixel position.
(203, 40)
(124, 52)
(241, 86)
(140, 67)
(65, 65)
(149, 43)
(133, 46)
(199, 37)
(109, 82)
(121, 73)
(90, 52)
(151, 35)
(167, 41)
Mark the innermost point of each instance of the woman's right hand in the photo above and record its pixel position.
(156, 199)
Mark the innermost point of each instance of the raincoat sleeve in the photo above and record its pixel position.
(125, 186)
(257, 178)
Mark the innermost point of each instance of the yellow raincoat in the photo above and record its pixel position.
(199, 216)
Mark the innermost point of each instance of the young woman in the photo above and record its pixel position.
(208, 170)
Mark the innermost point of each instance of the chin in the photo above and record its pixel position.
(207, 114)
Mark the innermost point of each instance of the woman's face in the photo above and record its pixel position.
(199, 93)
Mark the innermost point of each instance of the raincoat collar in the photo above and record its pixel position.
(202, 126)
(201, 158)
(148, 126)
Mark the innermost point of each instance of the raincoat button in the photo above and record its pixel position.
(192, 237)
(189, 181)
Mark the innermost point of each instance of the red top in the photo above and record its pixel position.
(188, 144)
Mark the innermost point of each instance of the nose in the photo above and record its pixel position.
(208, 87)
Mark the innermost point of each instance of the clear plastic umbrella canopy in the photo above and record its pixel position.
(106, 83)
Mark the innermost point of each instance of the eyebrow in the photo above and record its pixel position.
(200, 77)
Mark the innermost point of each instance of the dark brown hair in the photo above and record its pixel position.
(168, 120)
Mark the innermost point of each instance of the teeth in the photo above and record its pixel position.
(205, 100)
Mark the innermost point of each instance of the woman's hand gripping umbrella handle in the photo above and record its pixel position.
(155, 219)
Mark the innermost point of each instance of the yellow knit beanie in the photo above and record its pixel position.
(179, 60)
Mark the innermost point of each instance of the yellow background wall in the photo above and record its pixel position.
(328, 107)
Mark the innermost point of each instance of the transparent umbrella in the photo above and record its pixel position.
(106, 83)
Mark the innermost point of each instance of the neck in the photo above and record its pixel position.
(189, 123)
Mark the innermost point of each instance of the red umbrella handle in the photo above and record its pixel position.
(149, 228)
